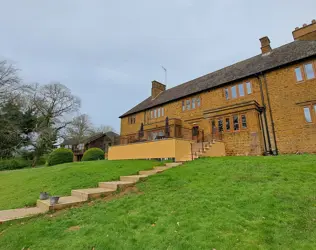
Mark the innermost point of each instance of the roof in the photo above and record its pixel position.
(278, 57)
(109, 134)
(70, 141)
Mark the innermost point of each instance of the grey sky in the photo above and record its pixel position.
(108, 52)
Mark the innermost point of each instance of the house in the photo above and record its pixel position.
(263, 105)
(99, 140)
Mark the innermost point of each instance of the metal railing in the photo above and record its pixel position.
(160, 133)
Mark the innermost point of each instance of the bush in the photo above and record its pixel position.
(16, 163)
(93, 154)
(60, 155)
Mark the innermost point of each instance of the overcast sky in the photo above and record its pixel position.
(108, 51)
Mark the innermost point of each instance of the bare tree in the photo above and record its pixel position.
(9, 81)
(52, 102)
(80, 127)
(102, 129)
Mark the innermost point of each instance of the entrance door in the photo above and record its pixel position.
(195, 133)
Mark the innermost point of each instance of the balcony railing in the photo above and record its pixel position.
(160, 133)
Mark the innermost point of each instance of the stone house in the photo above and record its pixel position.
(263, 105)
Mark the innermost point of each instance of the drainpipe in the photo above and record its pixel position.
(271, 117)
(261, 125)
(265, 115)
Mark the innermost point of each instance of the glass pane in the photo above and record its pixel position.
(241, 89)
(188, 104)
(158, 115)
(198, 101)
(243, 121)
(236, 122)
(152, 114)
(226, 94)
(307, 114)
(220, 125)
(309, 71)
(155, 113)
(162, 111)
(193, 103)
(315, 109)
(298, 74)
(248, 86)
(183, 105)
(234, 92)
(227, 124)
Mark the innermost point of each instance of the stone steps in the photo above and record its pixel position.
(64, 202)
(19, 213)
(79, 196)
(133, 178)
(92, 193)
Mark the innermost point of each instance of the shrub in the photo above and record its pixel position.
(93, 154)
(60, 155)
(15, 163)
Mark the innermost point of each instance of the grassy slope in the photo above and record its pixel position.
(20, 188)
(223, 203)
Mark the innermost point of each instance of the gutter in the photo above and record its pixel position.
(265, 128)
(276, 152)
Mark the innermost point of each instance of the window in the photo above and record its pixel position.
(309, 71)
(198, 101)
(226, 94)
(236, 122)
(307, 114)
(195, 131)
(234, 92)
(155, 113)
(315, 109)
(152, 114)
(158, 113)
(243, 121)
(80, 146)
(220, 125)
(193, 103)
(188, 104)
(298, 73)
(132, 119)
(162, 112)
(227, 120)
(241, 89)
(183, 105)
(248, 86)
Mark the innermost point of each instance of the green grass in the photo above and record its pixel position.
(219, 203)
(19, 188)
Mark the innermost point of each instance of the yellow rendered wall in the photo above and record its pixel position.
(169, 148)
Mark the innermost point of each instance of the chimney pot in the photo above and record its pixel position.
(265, 45)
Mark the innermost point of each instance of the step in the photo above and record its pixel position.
(162, 168)
(173, 164)
(133, 178)
(13, 214)
(116, 184)
(149, 172)
(64, 202)
(92, 193)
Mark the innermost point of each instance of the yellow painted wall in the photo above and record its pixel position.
(168, 148)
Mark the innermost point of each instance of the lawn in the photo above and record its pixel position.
(218, 203)
(19, 188)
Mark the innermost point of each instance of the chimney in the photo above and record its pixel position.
(265, 45)
(306, 32)
(156, 89)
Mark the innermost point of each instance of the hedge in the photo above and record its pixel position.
(59, 156)
(93, 154)
(16, 163)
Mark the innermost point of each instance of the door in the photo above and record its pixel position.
(195, 133)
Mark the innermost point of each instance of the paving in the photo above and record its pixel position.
(80, 196)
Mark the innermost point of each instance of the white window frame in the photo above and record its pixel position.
(193, 103)
(300, 74)
(232, 93)
(242, 88)
(158, 112)
(249, 88)
(307, 77)
(310, 120)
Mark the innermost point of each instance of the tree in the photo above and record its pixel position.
(9, 81)
(102, 129)
(52, 102)
(80, 128)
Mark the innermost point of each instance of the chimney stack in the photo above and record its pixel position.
(156, 89)
(265, 45)
(306, 32)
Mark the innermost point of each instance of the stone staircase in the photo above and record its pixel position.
(80, 196)
(199, 149)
